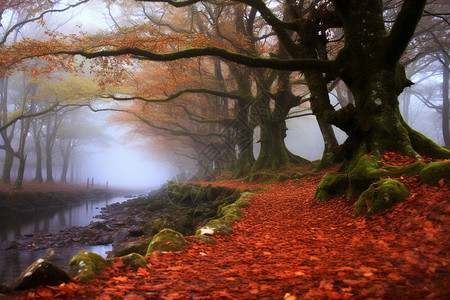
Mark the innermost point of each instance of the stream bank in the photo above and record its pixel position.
(183, 208)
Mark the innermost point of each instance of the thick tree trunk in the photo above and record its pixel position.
(273, 154)
(371, 70)
(376, 79)
(244, 141)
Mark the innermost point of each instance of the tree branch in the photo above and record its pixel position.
(36, 114)
(10, 30)
(403, 30)
(250, 61)
(176, 95)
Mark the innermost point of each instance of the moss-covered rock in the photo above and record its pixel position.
(434, 172)
(86, 265)
(380, 196)
(220, 226)
(134, 260)
(332, 185)
(167, 240)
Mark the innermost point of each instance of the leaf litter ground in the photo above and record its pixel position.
(289, 246)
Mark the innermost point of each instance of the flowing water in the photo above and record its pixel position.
(47, 221)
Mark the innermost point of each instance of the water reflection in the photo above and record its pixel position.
(47, 221)
(51, 220)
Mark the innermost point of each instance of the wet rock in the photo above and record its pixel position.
(8, 245)
(135, 231)
(99, 226)
(120, 235)
(41, 272)
(104, 240)
(125, 247)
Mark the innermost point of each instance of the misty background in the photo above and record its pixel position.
(115, 153)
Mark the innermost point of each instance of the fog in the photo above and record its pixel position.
(123, 164)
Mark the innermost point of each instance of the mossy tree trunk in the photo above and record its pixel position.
(274, 154)
(371, 70)
(375, 78)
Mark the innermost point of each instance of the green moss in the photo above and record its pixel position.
(86, 265)
(426, 146)
(364, 174)
(434, 172)
(332, 185)
(231, 218)
(134, 260)
(167, 240)
(231, 209)
(380, 196)
(409, 170)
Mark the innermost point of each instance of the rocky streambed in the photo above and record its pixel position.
(130, 226)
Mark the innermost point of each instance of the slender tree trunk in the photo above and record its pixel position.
(18, 184)
(38, 176)
(7, 166)
(48, 152)
(445, 103)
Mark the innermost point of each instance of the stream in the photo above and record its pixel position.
(52, 220)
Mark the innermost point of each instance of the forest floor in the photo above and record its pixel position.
(289, 246)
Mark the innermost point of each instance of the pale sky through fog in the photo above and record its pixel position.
(125, 163)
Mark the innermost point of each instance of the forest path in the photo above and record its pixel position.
(288, 246)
